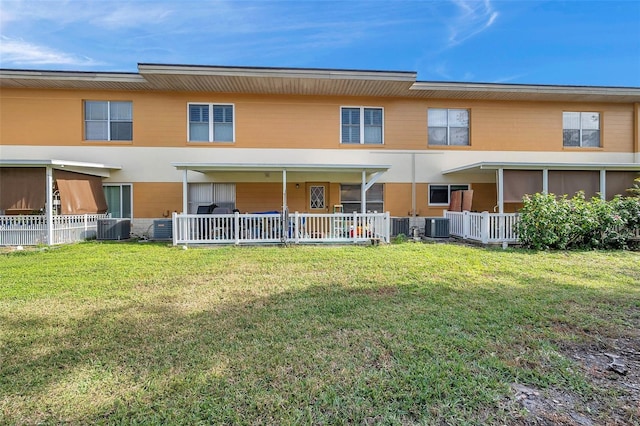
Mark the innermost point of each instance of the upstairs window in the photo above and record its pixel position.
(448, 126)
(360, 125)
(108, 120)
(581, 129)
(211, 123)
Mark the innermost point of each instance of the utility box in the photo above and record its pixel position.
(436, 227)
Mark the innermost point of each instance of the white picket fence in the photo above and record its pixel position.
(28, 230)
(295, 228)
(485, 227)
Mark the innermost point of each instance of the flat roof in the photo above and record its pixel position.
(273, 167)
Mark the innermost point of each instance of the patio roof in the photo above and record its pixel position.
(270, 167)
(97, 169)
(491, 167)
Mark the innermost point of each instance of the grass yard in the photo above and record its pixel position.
(132, 333)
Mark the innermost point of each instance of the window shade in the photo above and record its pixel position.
(22, 188)
(517, 183)
(80, 193)
(619, 182)
(569, 182)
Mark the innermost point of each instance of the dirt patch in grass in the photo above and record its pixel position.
(611, 366)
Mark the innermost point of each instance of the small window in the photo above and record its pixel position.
(351, 196)
(211, 123)
(361, 125)
(316, 197)
(118, 200)
(440, 195)
(448, 126)
(108, 120)
(581, 129)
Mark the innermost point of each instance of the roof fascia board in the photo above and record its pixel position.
(526, 88)
(264, 167)
(72, 76)
(57, 163)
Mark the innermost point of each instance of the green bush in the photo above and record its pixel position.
(549, 222)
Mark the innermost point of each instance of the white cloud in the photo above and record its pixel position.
(474, 17)
(19, 52)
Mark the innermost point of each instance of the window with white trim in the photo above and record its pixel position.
(351, 196)
(211, 123)
(361, 125)
(440, 194)
(581, 129)
(119, 199)
(448, 126)
(108, 120)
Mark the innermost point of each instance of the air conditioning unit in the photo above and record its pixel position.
(113, 229)
(162, 229)
(436, 227)
(400, 225)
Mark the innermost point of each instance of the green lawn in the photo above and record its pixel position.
(412, 333)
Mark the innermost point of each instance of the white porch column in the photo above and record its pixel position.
(185, 193)
(49, 210)
(500, 190)
(413, 184)
(284, 190)
(603, 185)
(545, 181)
(363, 193)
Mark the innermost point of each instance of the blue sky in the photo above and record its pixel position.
(531, 42)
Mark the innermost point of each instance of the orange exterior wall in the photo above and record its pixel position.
(153, 199)
(160, 119)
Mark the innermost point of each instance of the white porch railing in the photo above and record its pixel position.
(485, 227)
(30, 230)
(274, 228)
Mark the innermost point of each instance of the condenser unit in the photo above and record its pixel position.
(162, 229)
(436, 227)
(113, 229)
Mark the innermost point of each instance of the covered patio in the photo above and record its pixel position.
(50, 201)
(516, 179)
(320, 222)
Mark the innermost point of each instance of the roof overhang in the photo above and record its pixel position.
(490, 167)
(524, 92)
(269, 167)
(33, 79)
(96, 169)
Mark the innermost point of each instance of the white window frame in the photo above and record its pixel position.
(468, 127)
(581, 142)
(358, 202)
(449, 190)
(120, 185)
(211, 123)
(362, 126)
(108, 120)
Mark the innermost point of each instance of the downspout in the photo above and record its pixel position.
(49, 210)
(284, 191)
(413, 184)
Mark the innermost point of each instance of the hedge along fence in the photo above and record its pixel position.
(549, 222)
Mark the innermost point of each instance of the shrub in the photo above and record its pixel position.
(549, 222)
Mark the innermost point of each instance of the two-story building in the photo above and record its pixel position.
(171, 138)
